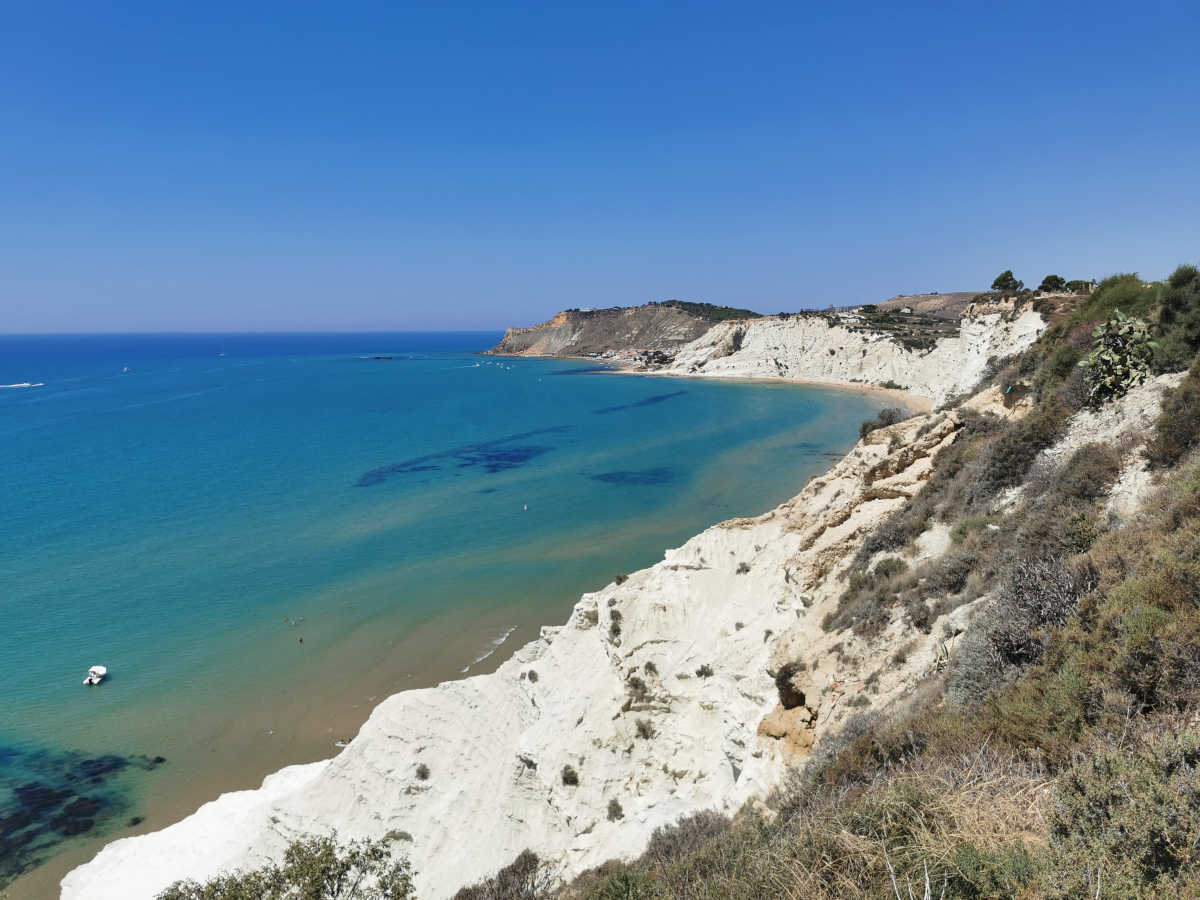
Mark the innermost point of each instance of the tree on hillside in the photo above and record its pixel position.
(1052, 284)
(1078, 286)
(314, 868)
(1006, 283)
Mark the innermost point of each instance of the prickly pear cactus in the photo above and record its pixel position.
(1120, 358)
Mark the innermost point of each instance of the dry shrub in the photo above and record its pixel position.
(886, 417)
(972, 823)
(1007, 636)
(688, 834)
(526, 878)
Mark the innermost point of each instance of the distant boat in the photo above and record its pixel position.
(95, 675)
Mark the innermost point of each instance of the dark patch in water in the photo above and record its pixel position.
(584, 370)
(816, 449)
(649, 401)
(488, 490)
(660, 475)
(47, 797)
(492, 456)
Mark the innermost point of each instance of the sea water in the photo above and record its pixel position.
(261, 536)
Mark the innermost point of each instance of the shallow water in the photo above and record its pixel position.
(263, 535)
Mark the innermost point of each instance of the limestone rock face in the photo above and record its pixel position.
(581, 332)
(813, 348)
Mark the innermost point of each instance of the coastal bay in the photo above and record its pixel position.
(192, 592)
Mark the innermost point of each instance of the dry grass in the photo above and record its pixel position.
(941, 817)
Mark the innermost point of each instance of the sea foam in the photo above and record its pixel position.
(492, 648)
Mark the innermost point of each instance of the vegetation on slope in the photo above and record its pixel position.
(313, 868)
(710, 312)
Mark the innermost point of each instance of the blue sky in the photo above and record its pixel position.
(307, 166)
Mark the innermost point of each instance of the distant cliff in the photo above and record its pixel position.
(923, 354)
(580, 332)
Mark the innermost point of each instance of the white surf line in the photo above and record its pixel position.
(495, 645)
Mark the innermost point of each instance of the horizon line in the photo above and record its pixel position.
(174, 333)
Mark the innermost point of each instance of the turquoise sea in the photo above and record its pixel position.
(262, 535)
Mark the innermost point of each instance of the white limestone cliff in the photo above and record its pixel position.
(836, 350)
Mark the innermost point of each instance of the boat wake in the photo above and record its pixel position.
(23, 384)
(492, 648)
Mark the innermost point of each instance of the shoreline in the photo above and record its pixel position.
(914, 402)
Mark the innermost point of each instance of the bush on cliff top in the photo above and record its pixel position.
(313, 868)
(889, 416)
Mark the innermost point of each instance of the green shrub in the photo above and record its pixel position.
(1089, 473)
(864, 604)
(1126, 292)
(614, 810)
(1179, 320)
(1056, 526)
(1010, 455)
(313, 868)
(1177, 429)
(705, 671)
(1126, 823)
(966, 526)
(526, 878)
(886, 417)
(569, 776)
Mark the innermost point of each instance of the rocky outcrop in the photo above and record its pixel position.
(835, 349)
(580, 332)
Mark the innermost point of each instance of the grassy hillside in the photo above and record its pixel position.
(709, 312)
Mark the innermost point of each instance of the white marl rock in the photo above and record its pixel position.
(810, 348)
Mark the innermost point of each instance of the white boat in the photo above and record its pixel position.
(95, 675)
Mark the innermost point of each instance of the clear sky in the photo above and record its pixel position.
(445, 165)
